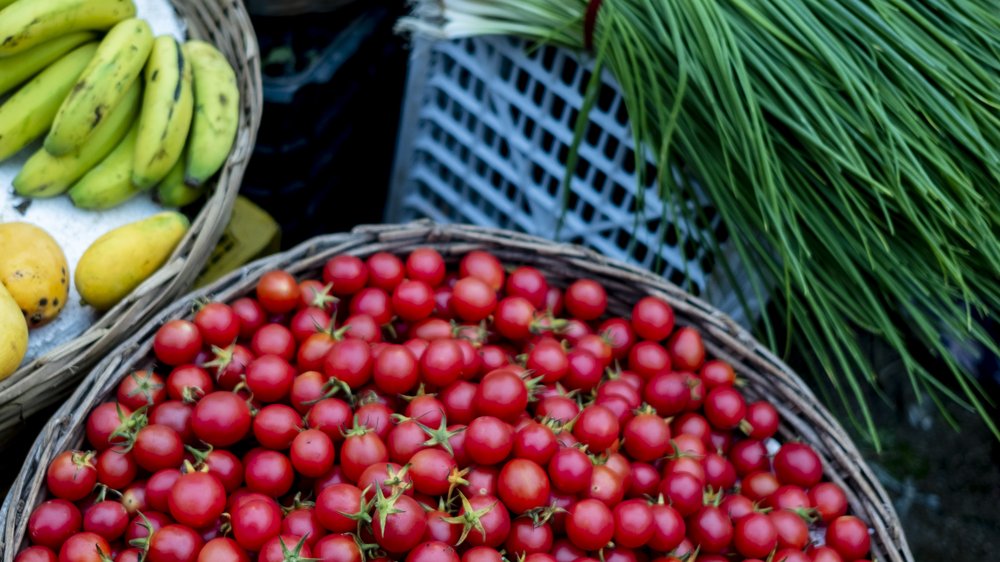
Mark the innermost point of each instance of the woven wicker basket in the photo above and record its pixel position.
(52, 376)
(802, 416)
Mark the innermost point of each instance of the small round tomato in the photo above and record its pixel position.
(484, 266)
(848, 535)
(335, 503)
(647, 437)
(755, 536)
(433, 551)
(649, 360)
(529, 283)
(710, 529)
(523, 486)
(668, 393)
(535, 442)
(652, 319)
(829, 500)
(590, 524)
(174, 543)
(395, 370)
(107, 518)
(103, 421)
(385, 271)
(278, 292)
(548, 360)
(158, 447)
(361, 448)
(472, 299)
(798, 463)
(276, 425)
(274, 339)
(526, 537)
(52, 522)
(221, 419)
(502, 394)
(488, 440)
(197, 499)
(761, 420)
(270, 378)
(514, 317)
(413, 300)
(312, 453)
(177, 342)
(283, 548)
(141, 388)
(116, 469)
(222, 550)
(634, 524)
(36, 554)
(347, 274)
(175, 415)
(349, 361)
(570, 470)
(158, 488)
(256, 522)
(268, 472)
(597, 427)
(759, 485)
(430, 469)
(427, 265)
(493, 519)
(725, 407)
(189, 383)
(218, 324)
(586, 299)
(71, 475)
(398, 523)
(687, 351)
(793, 532)
(250, 314)
(85, 547)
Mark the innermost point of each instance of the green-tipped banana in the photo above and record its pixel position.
(30, 111)
(115, 67)
(109, 184)
(44, 175)
(166, 113)
(5, 3)
(173, 192)
(17, 69)
(216, 112)
(27, 23)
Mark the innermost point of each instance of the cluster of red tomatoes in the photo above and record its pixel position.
(396, 410)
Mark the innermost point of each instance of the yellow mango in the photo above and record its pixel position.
(13, 334)
(34, 269)
(120, 260)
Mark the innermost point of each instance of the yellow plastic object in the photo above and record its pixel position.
(251, 234)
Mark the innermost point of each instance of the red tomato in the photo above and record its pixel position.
(197, 499)
(523, 486)
(278, 292)
(84, 547)
(52, 522)
(72, 475)
(590, 524)
(177, 342)
(141, 388)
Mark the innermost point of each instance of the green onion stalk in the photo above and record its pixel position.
(852, 148)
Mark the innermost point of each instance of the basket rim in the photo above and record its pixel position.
(723, 338)
(225, 23)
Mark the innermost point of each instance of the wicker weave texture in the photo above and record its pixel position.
(767, 377)
(51, 377)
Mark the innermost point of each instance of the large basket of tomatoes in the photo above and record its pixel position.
(439, 393)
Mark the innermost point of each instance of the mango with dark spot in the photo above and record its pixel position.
(13, 328)
(31, 267)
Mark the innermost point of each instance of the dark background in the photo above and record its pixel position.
(333, 87)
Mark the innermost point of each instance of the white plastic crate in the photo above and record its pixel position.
(486, 131)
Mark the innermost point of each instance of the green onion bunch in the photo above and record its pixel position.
(852, 148)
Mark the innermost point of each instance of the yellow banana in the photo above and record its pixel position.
(29, 112)
(44, 175)
(108, 184)
(15, 70)
(166, 113)
(27, 23)
(115, 66)
(173, 192)
(216, 112)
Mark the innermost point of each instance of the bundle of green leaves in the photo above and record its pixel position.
(852, 147)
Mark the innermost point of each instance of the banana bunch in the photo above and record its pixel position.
(119, 111)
